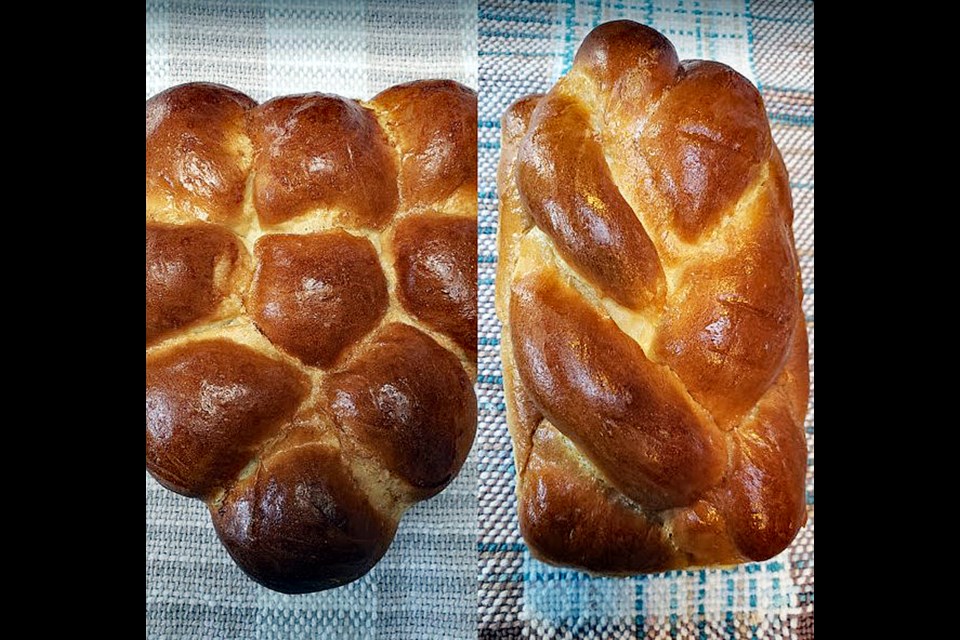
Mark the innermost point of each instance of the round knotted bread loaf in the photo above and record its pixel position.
(654, 347)
(311, 310)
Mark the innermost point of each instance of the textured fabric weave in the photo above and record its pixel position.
(425, 586)
(524, 47)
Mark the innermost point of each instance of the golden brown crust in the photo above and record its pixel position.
(436, 266)
(566, 513)
(407, 402)
(728, 327)
(629, 416)
(315, 295)
(196, 163)
(311, 343)
(514, 220)
(627, 61)
(300, 523)
(711, 138)
(580, 208)
(433, 123)
(210, 406)
(191, 269)
(654, 349)
(320, 151)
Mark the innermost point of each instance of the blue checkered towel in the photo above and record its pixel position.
(524, 47)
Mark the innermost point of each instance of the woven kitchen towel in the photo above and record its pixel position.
(524, 47)
(426, 585)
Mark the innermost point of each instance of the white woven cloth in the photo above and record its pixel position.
(426, 585)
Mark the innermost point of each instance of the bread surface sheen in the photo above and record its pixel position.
(311, 307)
(654, 347)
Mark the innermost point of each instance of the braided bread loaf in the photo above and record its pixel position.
(654, 347)
(311, 312)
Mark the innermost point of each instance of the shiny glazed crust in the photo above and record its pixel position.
(654, 347)
(311, 305)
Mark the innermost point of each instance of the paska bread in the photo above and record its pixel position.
(654, 347)
(311, 310)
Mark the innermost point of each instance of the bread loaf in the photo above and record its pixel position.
(311, 312)
(654, 347)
